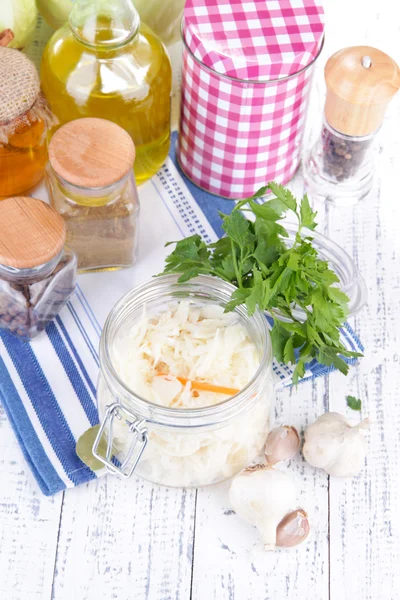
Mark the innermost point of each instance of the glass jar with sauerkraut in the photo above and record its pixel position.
(185, 389)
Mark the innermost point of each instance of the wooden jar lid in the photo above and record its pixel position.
(91, 153)
(360, 81)
(31, 232)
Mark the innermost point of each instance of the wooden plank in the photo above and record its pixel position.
(365, 521)
(228, 561)
(28, 526)
(125, 539)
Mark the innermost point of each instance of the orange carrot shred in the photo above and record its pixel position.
(204, 385)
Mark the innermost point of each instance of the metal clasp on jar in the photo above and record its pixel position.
(136, 448)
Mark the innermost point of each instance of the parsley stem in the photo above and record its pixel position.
(235, 265)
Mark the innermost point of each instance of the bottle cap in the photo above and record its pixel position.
(91, 153)
(360, 81)
(31, 232)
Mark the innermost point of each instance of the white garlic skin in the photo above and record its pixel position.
(263, 496)
(332, 444)
(282, 444)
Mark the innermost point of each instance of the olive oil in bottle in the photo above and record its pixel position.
(105, 63)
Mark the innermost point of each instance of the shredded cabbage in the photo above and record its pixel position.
(20, 16)
(201, 343)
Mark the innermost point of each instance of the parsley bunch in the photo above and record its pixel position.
(275, 277)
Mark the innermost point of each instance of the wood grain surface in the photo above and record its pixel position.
(135, 541)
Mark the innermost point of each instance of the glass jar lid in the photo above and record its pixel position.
(31, 233)
(91, 153)
(258, 40)
(19, 84)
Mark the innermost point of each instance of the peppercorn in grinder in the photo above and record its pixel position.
(360, 83)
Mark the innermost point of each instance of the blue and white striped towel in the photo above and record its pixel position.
(47, 388)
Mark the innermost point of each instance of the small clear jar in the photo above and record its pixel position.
(38, 278)
(181, 447)
(91, 184)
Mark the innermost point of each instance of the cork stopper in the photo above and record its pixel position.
(19, 84)
(360, 81)
(91, 153)
(31, 232)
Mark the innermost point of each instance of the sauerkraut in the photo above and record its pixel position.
(195, 343)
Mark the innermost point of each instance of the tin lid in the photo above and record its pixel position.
(360, 81)
(19, 84)
(255, 40)
(91, 152)
(31, 232)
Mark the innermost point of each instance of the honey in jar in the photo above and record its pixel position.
(104, 63)
(25, 119)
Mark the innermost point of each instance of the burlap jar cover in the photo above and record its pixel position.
(21, 102)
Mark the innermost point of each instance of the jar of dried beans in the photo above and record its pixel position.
(25, 119)
(246, 77)
(37, 274)
(91, 184)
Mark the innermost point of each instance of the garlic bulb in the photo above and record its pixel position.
(263, 496)
(293, 529)
(332, 444)
(282, 444)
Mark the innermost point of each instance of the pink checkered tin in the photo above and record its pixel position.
(247, 69)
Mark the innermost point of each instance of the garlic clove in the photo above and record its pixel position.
(293, 529)
(263, 496)
(282, 444)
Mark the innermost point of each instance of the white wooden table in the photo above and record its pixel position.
(135, 541)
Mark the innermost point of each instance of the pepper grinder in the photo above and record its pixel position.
(360, 82)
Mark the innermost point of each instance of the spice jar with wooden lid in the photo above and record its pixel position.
(25, 119)
(360, 81)
(91, 184)
(37, 273)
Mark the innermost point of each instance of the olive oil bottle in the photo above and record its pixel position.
(105, 63)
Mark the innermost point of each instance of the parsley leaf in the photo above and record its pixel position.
(353, 403)
(275, 276)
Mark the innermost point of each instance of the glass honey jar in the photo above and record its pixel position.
(25, 119)
(105, 63)
(37, 273)
(91, 183)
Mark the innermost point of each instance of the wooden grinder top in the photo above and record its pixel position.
(91, 152)
(360, 81)
(31, 232)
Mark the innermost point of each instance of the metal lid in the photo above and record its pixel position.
(31, 232)
(19, 84)
(255, 40)
(91, 152)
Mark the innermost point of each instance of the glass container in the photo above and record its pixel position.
(25, 119)
(181, 447)
(105, 63)
(37, 274)
(351, 281)
(91, 184)
(360, 83)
